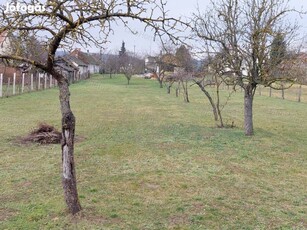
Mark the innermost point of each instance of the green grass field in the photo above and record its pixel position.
(150, 161)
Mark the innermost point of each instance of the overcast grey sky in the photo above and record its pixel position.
(144, 44)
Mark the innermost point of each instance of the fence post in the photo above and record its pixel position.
(1, 84)
(50, 81)
(8, 87)
(23, 82)
(14, 84)
(39, 81)
(270, 92)
(45, 81)
(299, 93)
(31, 81)
(259, 90)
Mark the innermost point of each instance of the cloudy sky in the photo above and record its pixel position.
(144, 44)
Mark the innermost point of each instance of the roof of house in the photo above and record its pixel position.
(87, 58)
(65, 67)
(65, 64)
(78, 61)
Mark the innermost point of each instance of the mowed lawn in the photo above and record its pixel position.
(147, 160)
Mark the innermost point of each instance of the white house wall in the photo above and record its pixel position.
(5, 47)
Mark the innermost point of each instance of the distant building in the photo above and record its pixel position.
(167, 62)
(79, 64)
(151, 64)
(89, 59)
(67, 68)
(5, 43)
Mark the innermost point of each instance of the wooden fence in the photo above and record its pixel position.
(10, 86)
(296, 93)
(29, 82)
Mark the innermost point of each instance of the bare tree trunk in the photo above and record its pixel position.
(214, 110)
(160, 82)
(248, 110)
(169, 89)
(178, 89)
(128, 79)
(185, 91)
(68, 133)
(218, 104)
(283, 93)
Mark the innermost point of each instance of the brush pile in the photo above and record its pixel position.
(44, 134)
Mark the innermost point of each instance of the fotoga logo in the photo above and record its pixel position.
(23, 7)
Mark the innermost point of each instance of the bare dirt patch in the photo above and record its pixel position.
(7, 213)
(179, 220)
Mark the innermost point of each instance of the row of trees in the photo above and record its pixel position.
(240, 33)
(124, 62)
(177, 67)
(243, 44)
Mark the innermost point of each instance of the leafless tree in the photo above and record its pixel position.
(130, 64)
(184, 70)
(244, 31)
(127, 68)
(62, 24)
(165, 63)
(110, 63)
(210, 75)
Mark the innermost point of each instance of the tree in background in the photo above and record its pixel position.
(23, 43)
(125, 66)
(278, 54)
(62, 24)
(244, 31)
(184, 70)
(129, 63)
(165, 63)
(110, 63)
(212, 74)
(278, 50)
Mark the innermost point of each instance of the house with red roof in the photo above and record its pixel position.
(89, 59)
